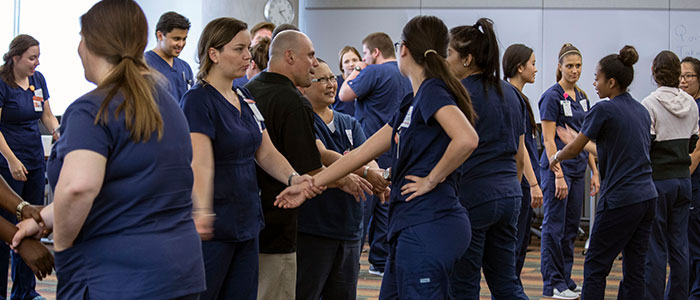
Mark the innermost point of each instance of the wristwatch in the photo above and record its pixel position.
(18, 210)
(358, 69)
(386, 174)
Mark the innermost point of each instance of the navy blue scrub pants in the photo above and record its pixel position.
(422, 257)
(493, 226)
(327, 268)
(231, 269)
(23, 281)
(694, 241)
(377, 215)
(668, 241)
(524, 221)
(623, 229)
(559, 231)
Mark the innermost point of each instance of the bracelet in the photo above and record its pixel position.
(556, 157)
(364, 174)
(289, 179)
(534, 185)
(560, 177)
(56, 129)
(18, 210)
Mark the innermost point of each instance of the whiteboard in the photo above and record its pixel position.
(597, 32)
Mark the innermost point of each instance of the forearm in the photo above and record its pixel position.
(275, 164)
(71, 210)
(7, 231)
(8, 198)
(592, 164)
(574, 148)
(328, 157)
(345, 93)
(203, 187)
(528, 172)
(47, 215)
(5, 149)
(520, 158)
(456, 153)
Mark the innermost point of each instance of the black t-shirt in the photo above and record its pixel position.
(290, 124)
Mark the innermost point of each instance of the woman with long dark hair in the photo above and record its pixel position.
(625, 211)
(519, 69)
(429, 137)
(490, 184)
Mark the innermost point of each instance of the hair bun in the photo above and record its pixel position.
(628, 55)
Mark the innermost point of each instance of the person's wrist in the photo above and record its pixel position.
(18, 210)
(291, 176)
(357, 68)
(364, 173)
(533, 185)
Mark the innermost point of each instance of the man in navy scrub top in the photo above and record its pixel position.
(378, 87)
(171, 33)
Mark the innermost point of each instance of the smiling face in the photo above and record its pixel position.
(172, 43)
(304, 62)
(234, 57)
(25, 64)
(570, 68)
(349, 61)
(321, 93)
(689, 80)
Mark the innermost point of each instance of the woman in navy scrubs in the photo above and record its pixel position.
(690, 69)
(429, 137)
(228, 138)
(23, 102)
(121, 170)
(519, 69)
(349, 57)
(674, 129)
(625, 210)
(490, 183)
(563, 104)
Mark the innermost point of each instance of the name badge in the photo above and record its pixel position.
(584, 105)
(38, 100)
(348, 132)
(407, 119)
(256, 112)
(566, 105)
(188, 83)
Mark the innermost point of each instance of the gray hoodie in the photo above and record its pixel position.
(674, 120)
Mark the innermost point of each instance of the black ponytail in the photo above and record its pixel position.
(480, 41)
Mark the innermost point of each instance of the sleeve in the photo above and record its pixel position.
(549, 107)
(45, 88)
(524, 117)
(438, 97)
(79, 131)
(364, 83)
(198, 113)
(299, 141)
(646, 103)
(594, 121)
(3, 92)
(358, 135)
(404, 103)
(694, 111)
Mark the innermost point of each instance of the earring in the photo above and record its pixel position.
(465, 65)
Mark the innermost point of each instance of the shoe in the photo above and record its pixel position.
(374, 271)
(577, 290)
(565, 294)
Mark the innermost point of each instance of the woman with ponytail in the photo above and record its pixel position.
(122, 210)
(625, 211)
(519, 69)
(490, 183)
(563, 105)
(429, 137)
(24, 101)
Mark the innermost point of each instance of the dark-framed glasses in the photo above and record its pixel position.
(397, 45)
(688, 77)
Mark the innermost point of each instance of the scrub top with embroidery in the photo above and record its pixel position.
(343, 107)
(620, 129)
(138, 240)
(334, 214)
(235, 137)
(418, 144)
(379, 89)
(490, 172)
(553, 107)
(20, 121)
(179, 75)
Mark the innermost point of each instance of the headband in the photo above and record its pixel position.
(572, 51)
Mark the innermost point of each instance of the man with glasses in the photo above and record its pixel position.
(379, 87)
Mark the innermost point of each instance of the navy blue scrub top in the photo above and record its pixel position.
(235, 137)
(179, 75)
(696, 173)
(490, 172)
(530, 144)
(241, 81)
(620, 128)
(20, 122)
(138, 240)
(334, 214)
(552, 109)
(340, 106)
(418, 144)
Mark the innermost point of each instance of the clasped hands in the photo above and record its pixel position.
(26, 242)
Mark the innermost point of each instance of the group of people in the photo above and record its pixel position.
(261, 176)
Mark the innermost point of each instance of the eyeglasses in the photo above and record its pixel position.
(397, 45)
(687, 77)
(324, 80)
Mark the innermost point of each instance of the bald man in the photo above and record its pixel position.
(289, 121)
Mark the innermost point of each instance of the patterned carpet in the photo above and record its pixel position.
(368, 285)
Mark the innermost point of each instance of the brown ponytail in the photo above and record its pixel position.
(18, 46)
(425, 33)
(117, 30)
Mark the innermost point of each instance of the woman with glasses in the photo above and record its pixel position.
(690, 68)
(429, 138)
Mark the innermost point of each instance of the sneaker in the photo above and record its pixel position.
(565, 294)
(375, 271)
(577, 290)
